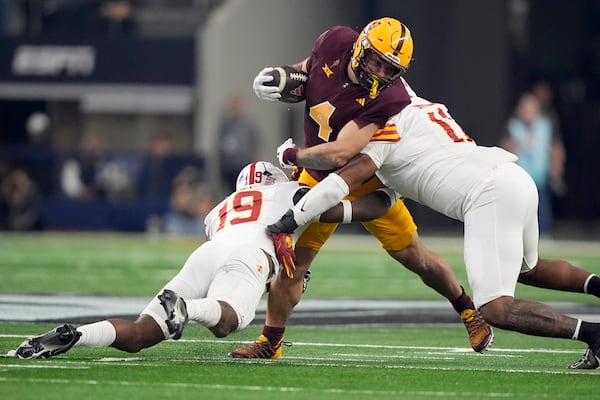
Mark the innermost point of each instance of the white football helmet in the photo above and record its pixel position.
(259, 173)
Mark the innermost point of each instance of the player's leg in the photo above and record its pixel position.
(238, 286)
(128, 336)
(397, 230)
(432, 268)
(500, 243)
(284, 294)
(122, 334)
(561, 275)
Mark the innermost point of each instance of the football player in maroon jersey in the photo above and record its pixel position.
(354, 86)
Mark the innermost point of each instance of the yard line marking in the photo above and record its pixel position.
(394, 347)
(44, 366)
(455, 350)
(284, 389)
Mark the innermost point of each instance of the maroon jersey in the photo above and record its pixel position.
(332, 100)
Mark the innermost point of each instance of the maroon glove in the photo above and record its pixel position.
(284, 250)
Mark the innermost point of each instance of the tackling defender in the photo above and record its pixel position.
(353, 87)
(426, 156)
(222, 281)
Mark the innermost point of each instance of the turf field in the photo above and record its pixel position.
(325, 362)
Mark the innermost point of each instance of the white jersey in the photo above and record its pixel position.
(244, 215)
(433, 162)
(232, 265)
(425, 155)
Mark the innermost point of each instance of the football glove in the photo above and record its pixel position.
(263, 91)
(283, 162)
(284, 251)
(285, 224)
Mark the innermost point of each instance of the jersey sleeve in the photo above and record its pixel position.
(377, 151)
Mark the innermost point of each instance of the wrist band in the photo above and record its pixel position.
(347, 211)
(290, 155)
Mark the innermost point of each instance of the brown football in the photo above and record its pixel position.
(289, 82)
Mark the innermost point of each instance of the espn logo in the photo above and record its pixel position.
(54, 60)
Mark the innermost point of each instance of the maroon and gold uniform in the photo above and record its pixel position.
(332, 101)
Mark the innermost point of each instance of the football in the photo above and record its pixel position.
(289, 82)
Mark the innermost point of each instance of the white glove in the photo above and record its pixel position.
(288, 144)
(263, 91)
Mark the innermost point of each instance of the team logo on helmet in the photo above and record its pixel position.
(259, 173)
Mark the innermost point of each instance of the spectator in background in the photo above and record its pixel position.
(21, 201)
(80, 175)
(38, 158)
(158, 168)
(545, 95)
(190, 202)
(239, 141)
(529, 136)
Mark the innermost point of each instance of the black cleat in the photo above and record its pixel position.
(57, 341)
(589, 360)
(176, 310)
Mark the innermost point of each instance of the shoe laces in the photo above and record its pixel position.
(471, 320)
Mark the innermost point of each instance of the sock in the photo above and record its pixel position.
(274, 334)
(589, 332)
(592, 285)
(463, 302)
(98, 334)
(206, 312)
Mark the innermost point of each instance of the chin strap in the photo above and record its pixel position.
(374, 88)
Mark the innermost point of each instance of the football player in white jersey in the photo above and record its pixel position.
(423, 154)
(222, 281)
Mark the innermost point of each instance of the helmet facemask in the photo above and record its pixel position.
(371, 81)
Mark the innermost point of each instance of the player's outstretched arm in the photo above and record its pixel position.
(365, 208)
(350, 141)
(326, 194)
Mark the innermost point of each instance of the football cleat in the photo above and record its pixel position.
(305, 281)
(589, 360)
(57, 341)
(480, 332)
(261, 348)
(176, 310)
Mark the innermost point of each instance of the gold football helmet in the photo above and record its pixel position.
(388, 39)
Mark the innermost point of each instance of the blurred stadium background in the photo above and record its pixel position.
(128, 73)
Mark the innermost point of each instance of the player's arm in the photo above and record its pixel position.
(365, 208)
(301, 66)
(350, 141)
(326, 194)
(327, 202)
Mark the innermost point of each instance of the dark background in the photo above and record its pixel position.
(475, 56)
